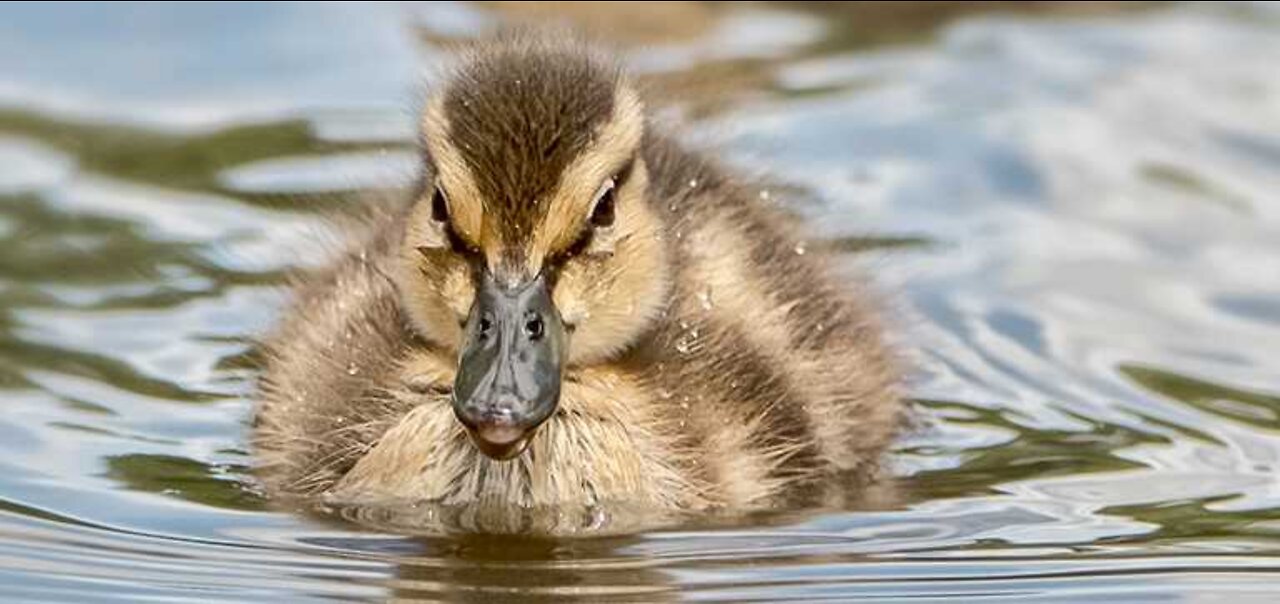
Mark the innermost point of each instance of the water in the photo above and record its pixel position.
(1074, 215)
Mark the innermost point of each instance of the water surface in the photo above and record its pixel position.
(1074, 214)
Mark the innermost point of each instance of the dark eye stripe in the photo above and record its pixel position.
(623, 174)
(579, 245)
(458, 244)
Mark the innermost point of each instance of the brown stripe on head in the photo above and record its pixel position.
(611, 151)
(505, 130)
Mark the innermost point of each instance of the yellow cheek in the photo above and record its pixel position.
(611, 299)
(436, 294)
(574, 288)
(458, 293)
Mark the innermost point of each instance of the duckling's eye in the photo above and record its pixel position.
(602, 215)
(439, 207)
(440, 214)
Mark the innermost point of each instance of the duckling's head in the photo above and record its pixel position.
(532, 246)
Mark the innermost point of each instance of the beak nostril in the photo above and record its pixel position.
(534, 328)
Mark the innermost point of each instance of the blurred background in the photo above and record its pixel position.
(1071, 207)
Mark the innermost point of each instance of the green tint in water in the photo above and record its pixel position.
(1234, 404)
(183, 478)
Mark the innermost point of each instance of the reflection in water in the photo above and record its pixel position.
(1027, 452)
(183, 478)
(464, 569)
(1234, 404)
(1074, 217)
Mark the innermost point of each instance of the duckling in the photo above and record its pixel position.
(571, 309)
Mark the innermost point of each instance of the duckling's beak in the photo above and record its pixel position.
(509, 368)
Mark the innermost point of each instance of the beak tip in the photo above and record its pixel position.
(498, 433)
(501, 442)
